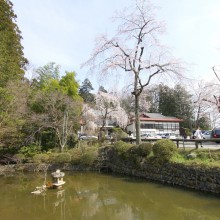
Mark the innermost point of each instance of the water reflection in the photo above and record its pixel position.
(59, 204)
(97, 196)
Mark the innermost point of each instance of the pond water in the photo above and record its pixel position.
(99, 196)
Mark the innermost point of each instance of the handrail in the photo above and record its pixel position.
(177, 140)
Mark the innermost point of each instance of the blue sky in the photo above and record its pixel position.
(64, 31)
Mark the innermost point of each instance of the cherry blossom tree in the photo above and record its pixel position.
(216, 100)
(135, 49)
(109, 109)
(89, 118)
(206, 102)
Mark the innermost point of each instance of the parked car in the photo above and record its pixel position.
(215, 134)
(207, 135)
(108, 137)
(150, 136)
(87, 137)
(169, 136)
(145, 136)
(158, 136)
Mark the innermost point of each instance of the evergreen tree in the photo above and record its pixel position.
(176, 102)
(166, 101)
(102, 89)
(183, 105)
(12, 59)
(204, 123)
(85, 91)
(127, 103)
(152, 97)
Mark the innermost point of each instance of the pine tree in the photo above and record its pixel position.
(85, 91)
(102, 89)
(12, 60)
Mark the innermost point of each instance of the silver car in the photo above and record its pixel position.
(207, 135)
(169, 136)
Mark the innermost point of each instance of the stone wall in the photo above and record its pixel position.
(189, 176)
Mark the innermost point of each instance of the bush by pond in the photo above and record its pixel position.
(89, 157)
(84, 155)
(62, 158)
(144, 149)
(30, 151)
(164, 150)
(122, 149)
(76, 154)
(41, 158)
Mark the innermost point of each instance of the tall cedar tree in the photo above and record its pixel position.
(12, 60)
(85, 91)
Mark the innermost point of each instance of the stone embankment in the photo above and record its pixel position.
(188, 176)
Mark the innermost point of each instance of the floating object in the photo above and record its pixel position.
(57, 179)
(39, 189)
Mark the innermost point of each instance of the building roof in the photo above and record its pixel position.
(157, 117)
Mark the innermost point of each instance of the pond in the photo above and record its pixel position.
(101, 196)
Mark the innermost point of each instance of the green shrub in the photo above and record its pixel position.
(30, 151)
(118, 133)
(132, 156)
(89, 156)
(93, 143)
(20, 157)
(164, 150)
(52, 157)
(122, 148)
(144, 149)
(8, 150)
(41, 158)
(72, 141)
(82, 145)
(137, 154)
(76, 154)
(63, 158)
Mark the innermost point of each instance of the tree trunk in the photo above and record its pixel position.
(136, 94)
(197, 117)
(137, 119)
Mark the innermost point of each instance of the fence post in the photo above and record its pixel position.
(197, 144)
(177, 143)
